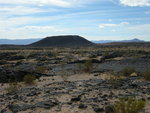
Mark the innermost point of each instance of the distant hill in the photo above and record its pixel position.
(30, 41)
(18, 41)
(63, 41)
(110, 41)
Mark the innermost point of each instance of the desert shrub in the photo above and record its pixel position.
(68, 58)
(105, 55)
(12, 87)
(29, 79)
(79, 67)
(115, 81)
(128, 106)
(65, 76)
(109, 55)
(40, 69)
(127, 71)
(146, 75)
(25, 53)
(88, 66)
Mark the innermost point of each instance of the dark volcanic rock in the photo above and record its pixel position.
(47, 104)
(9, 75)
(82, 106)
(139, 64)
(109, 109)
(111, 55)
(4, 111)
(63, 41)
(6, 55)
(17, 108)
(44, 104)
(16, 57)
(11, 56)
(75, 99)
(98, 110)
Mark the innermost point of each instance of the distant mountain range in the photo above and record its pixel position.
(110, 41)
(18, 41)
(30, 41)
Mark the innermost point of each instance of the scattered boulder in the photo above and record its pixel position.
(109, 109)
(4, 111)
(134, 74)
(17, 108)
(47, 104)
(8, 75)
(82, 106)
(75, 99)
(43, 104)
(98, 110)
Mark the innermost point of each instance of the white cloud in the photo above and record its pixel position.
(19, 10)
(147, 12)
(107, 25)
(43, 28)
(60, 3)
(133, 3)
(31, 32)
(110, 20)
(113, 25)
(20, 21)
(124, 23)
(140, 28)
(113, 30)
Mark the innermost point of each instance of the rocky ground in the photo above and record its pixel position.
(64, 85)
(79, 94)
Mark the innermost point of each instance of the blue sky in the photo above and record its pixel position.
(92, 19)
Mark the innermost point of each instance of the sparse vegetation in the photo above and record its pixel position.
(129, 106)
(12, 88)
(115, 81)
(127, 71)
(91, 76)
(68, 58)
(79, 67)
(88, 66)
(40, 69)
(29, 79)
(65, 76)
(146, 75)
